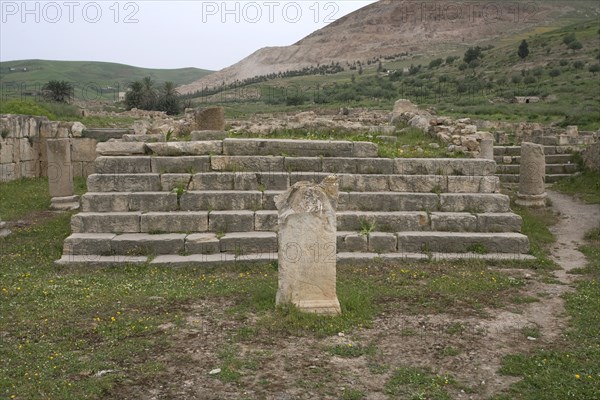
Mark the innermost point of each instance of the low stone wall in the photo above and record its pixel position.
(23, 146)
(591, 157)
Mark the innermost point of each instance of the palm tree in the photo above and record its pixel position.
(59, 91)
(169, 99)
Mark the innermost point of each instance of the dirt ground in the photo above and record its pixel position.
(301, 368)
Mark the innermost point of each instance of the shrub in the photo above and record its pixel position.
(575, 45)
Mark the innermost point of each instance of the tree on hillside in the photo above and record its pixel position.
(473, 53)
(143, 94)
(59, 91)
(523, 49)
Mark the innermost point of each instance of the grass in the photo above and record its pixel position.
(73, 333)
(585, 186)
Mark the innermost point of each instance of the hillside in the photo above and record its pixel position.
(29, 75)
(400, 29)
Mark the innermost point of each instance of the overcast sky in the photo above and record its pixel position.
(159, 33)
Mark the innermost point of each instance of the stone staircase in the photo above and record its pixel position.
(210, 202)
(559, 163)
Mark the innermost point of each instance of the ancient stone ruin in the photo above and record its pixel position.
(4, 231)
(532, 188)
(307, 246)
(210, 119)
(60, 175)
(213, 202)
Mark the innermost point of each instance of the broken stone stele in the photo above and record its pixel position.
(532, 174)
(60, 175)
(307, 246)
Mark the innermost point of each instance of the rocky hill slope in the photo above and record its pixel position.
(391, 28)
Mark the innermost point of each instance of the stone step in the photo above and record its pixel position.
(550, 159)
(256, 181)
(516, 150)
(217, 260)
(125, 158)
(239, 243)
(551, 169)
(298, 148)
(266, 221)
(458, 242)
(104, 134)
(514, 178)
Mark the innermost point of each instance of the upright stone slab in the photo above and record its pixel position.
(307, 246)
(532, 173)
(60, 175)
(210, 119)
(486, 149)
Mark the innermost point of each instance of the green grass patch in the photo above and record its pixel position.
(568, 369)
(21, 197)
(585, 186)
(416, 383)
(351, 350)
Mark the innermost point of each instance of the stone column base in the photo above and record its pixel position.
(531, 200)
(68, 203)
(4, 231)
(323, 307)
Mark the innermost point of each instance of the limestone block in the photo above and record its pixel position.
(161, 201)
(474, 203)
(180, 165)
(249, 242)
(213, 181)
(145, 244)
(453, 222)
(124, 183)
(307, 247)
(418, 183)
(120, 148)
(60, 173)
(302, 164)
(365, 149)
(26, 150)
(105, 223)
(105, 202)
(354, 242)
(88, 244)
(170, 182)
(499, 222)
(265, 221)
(381, 242)
(174, 149)
(208, 135)
(210, 119)
(123, 165)
(83, 149)
(363, 183)
(202, 243)
(247, 163)
(217, 200)
(153, 222)
(231, 221)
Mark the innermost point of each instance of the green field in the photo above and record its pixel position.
(91, 79)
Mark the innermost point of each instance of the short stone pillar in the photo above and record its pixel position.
(486, 149)
(4, 231)
(210, 119)
(532, 174)
(307, 246)
(60, 175)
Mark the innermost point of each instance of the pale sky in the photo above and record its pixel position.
(159, 33)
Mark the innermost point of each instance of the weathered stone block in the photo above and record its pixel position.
(474, 203)
(124, 183)
(154, 222)
(180, 165)
(170, 182)
(88, 244)
(105, 223)
(27, 152)
(215, 200)
(382, 221)
(265, 221)
(453, 222)
(314, 177)
(105, 202)
(60, 173)
(365, 149)
(380, 242)
(287, 147)
(499, 222)
(123, 165)
(159, 201)
(83, 150)
(384, 201)
(418, 183)
(208, 135)
(302, 164)
(307, 247)
(202, 243)
(175, 149)
(212, 181)
(364, 183)
(231, 221)
(247, 163)
(6, 151)
(144, 244)
(354, 242)
(9, 172)
(120, 148)
(210, 119)
(249, 242)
